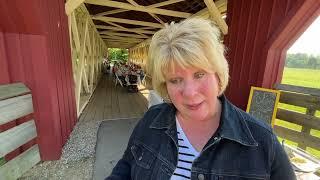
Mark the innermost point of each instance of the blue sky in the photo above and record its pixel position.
(309, 41)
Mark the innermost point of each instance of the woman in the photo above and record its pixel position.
(198, 134)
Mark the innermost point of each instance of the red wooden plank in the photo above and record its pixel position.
(15, 61)
(63, 67)
(20, 16)
(232, 35)
(55, 60)
(259, 34)
(245, 52)
(262, 35)
(32, 142)
(298, 19)
(4, 73)
(44, 96)
(68, 65)
(43, 63)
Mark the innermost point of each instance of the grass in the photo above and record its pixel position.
(301, 77)
(2, 161)
(305, 78)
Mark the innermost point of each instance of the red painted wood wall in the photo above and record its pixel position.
(260, 32)
(35, 50)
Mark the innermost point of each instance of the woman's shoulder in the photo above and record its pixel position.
(157, 110)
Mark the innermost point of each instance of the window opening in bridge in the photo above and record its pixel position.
(302, 68)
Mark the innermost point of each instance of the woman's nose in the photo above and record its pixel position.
(189, 89)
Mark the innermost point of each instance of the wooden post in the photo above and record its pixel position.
(306, 129)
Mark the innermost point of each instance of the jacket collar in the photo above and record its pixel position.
(166, 118)
(232, 126)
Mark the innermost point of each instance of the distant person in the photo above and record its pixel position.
(197, 133)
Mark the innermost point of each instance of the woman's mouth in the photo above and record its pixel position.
(193, 107)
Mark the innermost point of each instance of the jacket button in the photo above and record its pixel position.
(200, 176)
(140, 158)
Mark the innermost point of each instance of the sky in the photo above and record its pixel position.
(309, 41)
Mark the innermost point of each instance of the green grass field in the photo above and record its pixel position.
(305, 78)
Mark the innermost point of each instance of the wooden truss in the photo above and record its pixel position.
(214, 11)
(90, 46)
(88, 51)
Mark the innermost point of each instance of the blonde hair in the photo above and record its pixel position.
(190, 43)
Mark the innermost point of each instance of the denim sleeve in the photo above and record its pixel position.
(281, 167)
(122, 170)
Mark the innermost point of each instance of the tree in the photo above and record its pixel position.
(302, 60)
(119, 55)
(312, 62)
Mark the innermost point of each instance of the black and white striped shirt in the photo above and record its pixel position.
(186, 155)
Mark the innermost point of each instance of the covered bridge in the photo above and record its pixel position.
(56, 49)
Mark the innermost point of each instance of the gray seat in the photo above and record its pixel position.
(112, 139)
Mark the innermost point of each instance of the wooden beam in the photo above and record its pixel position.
(81, 67)
(120, 44)
(127, 44)
(123, 28)
(16, 137)
(144, 28)
(138, 8)
(127, 21)
(157, 18)
(14, 108)
(87, 61)
(151, 14)
(221, 5)
(121, 38)
(120, 47)
(122, 34)
(111, 12)
(12, 90)
(126, 29)
(143, 43)
(71, 5)
(204, 13)
(151, 6)
(93, 71)
(75, 32)
(20, 164)
(216, 16)
(115, 42)
(298, 89)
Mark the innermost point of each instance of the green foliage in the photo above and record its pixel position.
(302, 60)
(118, 55)
(305, 78)
(2, 161)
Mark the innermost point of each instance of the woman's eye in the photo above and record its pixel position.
(199, 75)
(175, 81)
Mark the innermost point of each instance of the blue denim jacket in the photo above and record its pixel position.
(241, 148)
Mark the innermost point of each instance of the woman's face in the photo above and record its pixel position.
(194, 92)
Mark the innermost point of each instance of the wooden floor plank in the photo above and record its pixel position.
(113, 102)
